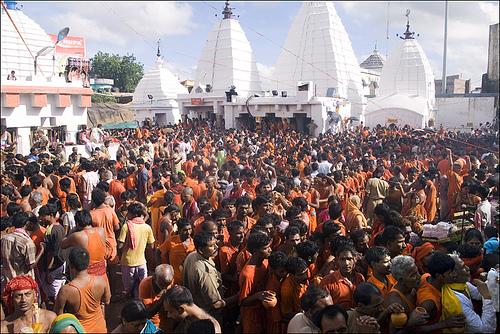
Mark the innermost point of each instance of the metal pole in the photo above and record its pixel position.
(35, 64)
(443, 81)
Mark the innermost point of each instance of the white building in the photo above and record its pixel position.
(226, 60)
(299, 110)
(406, 94)
(465, 111)
(155, 95)
(42, 101)
(371, 68)
(319, 50)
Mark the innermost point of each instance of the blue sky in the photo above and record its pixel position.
(133, 27)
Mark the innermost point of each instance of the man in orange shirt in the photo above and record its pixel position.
(380, 262)
(151, 291)
(441, 271)
(243, 212)
(36, 185)
(277, 273)
(293, 287)
(455, 181)
(227, 256)
(177, 247)
(342, 283)
(252, 282)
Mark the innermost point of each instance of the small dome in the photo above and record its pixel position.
(159, 83)
(227, 59)
(374, 62)
(15, 56)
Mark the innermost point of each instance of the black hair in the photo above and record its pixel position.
(103, 185)
(357, 235)
(235, 224)
(179, 295)
(278, 259)
(135, 210)
(202, 239)
(303, 228)
(473, 233)
(390, 234)
(306, 250)
(13, 209)
(300, 202)
(296, 265)
(364, 292)
(291, 231)
(47, 210)
(256, 241)
(25, 191)
(330, 228)
(79, 258)
(20, 220)
(292, 212)
(72, 201)
(181, 223)
(490, 231)
(335, 211)
(134, 310)
(5, 223)
(343, 247)
(376, 254)
(98, 197)
(311, 296)
(36, 181)
(330, 311)
(244, 200)
(381, 209)
(65, 183)
(83, 218)
(467, 251)
(440, 263)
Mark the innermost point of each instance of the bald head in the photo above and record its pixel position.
(164, 275)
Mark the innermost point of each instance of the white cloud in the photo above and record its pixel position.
(126, 23)
(180, 71)
(266, 73)
(468, 28)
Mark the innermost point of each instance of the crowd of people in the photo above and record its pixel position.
(193, 229)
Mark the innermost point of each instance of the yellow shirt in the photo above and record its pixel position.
(143, 236)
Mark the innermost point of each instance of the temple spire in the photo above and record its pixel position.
(408, 34)
(228, 13)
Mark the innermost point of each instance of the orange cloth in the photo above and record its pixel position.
(241, 259)
(131, 182)
(252, 280)
(156, 202)
(174, 252)
(354, 215)
(116, 188)
(149, 297)
(38, 237)
(431, 201)
(90, 312)
(427, 291)
(227, 263)
(97, 252)
(341, 289)
(420, 252)
(107, 219)
(274, 324)
(291, 293)
(384, 289)
(454, 187)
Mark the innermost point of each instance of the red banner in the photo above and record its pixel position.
(197, 101)
(71, 46)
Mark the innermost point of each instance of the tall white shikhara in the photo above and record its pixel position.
(318, 49)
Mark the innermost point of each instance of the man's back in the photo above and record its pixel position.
(106, 218)
(143, 236)
(18, 254)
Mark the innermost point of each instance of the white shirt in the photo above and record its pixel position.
(324, 167)
(302, 324)
(487, 323)
(483, 214)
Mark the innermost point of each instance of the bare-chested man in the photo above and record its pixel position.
(19, 297)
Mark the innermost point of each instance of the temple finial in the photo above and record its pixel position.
(158, 54)
(408, 34)
(228, 13)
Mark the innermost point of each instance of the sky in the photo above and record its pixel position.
(133, 27)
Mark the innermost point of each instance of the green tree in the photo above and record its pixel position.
(124, 70)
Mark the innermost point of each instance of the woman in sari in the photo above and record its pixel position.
(355, 220)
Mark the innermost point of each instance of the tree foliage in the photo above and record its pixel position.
(124, 70)
(102, 98)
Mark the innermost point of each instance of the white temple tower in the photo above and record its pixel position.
(406, 95)
(227, 59)
(319, 50)
(155, 95)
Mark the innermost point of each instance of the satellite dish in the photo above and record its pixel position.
(62, 34)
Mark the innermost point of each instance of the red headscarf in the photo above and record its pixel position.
(420, 252)
(23, 282)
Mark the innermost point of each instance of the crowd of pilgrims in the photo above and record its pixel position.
(194, 229)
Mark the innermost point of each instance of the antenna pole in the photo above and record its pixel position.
(387, 31)
(443, 80)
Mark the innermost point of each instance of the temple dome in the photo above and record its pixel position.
(374, 62)
(321, 53)
(406, 94)
(227, 59)
(14, 54)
